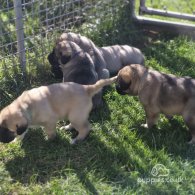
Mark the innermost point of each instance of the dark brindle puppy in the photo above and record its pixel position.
(159, 93)
(77, 66)
(107, 60)
(65, 50)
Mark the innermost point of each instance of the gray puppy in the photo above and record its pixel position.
(111, 57)
(107, 60)
(69, 50)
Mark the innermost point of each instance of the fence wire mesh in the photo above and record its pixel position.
(41, 21)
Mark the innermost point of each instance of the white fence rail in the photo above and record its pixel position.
(168, 23)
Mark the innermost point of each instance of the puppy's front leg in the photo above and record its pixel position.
(192, 141)
(97, 100)
(50, 130)
(189, 118)
(151, 118)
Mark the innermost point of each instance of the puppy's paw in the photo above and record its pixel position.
(51, 137)
(192, 141)
(74, 141)
(15, 140)
(145, 126)
(66, 127)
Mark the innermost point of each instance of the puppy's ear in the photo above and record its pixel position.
(4, 123)
(21, 129)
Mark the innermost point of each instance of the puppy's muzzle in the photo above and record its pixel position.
(55, 66)
(65, 59)
(120, 91)
(53, 59)
(6, 135)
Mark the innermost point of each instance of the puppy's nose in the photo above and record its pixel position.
(6, 135)
(120, 91)
(117, 87)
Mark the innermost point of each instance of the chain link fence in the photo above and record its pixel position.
(28, 28)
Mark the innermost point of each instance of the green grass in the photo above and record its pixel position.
(118, 153)
(179, 6)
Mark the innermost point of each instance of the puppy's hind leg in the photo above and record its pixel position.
(190, 122)
(189, 118)
(83, 130)
(97, 100)
(79, 120)
(191, 127)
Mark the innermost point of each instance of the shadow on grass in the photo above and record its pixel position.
(45, 160)
(170, 135)
(173, 55)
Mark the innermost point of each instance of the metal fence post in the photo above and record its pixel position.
(20, 34)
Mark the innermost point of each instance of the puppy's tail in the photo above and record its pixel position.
(93, 89)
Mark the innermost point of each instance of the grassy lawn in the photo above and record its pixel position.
(119, 155)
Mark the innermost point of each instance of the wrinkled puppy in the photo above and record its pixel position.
(120, 56)
(65, 51)
(77, 66)
(89, 47)
(107, 60)
(45, 105)
(159, 93)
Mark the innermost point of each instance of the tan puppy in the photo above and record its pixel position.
(159, 93)
(45, 105)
